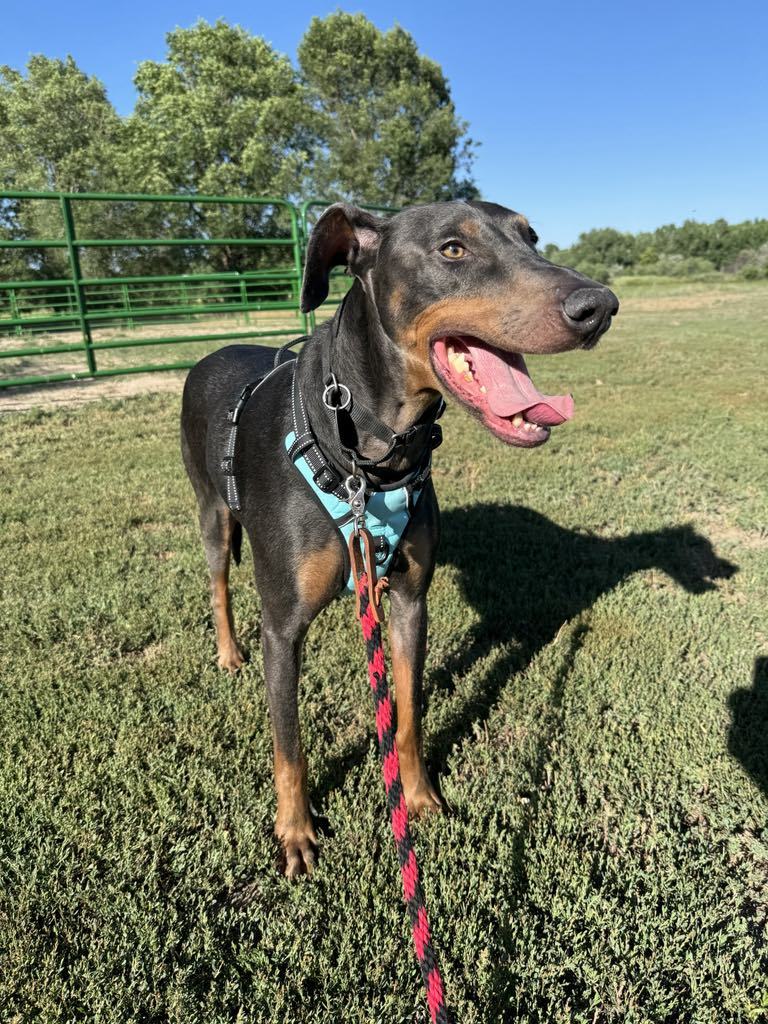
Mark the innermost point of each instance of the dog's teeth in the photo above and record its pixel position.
(468, 378)
(483, 389)
(517, 421)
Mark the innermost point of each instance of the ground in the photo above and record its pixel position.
(597, 712)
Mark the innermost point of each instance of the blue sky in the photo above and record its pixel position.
(589, 114)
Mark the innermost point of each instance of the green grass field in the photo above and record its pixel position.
(597, 688)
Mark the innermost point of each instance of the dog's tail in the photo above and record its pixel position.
(237, 542)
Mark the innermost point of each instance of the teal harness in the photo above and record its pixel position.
(387, 513)
(388, 508)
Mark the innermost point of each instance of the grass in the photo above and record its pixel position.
(597, 688)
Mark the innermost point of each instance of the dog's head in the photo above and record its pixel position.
(462, 290)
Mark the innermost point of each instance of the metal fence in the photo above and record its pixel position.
(74, 298)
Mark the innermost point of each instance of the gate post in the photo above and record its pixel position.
(74, 263)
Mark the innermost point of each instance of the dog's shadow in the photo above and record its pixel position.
(748, 736)
(524, 577)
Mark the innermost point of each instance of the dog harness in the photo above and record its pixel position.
(388, 507)
(387, 511)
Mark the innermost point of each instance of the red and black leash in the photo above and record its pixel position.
(369, 614)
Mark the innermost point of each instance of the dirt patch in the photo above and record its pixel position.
(730, 534)
(69, 394)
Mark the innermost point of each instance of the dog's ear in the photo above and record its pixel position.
(345, 235)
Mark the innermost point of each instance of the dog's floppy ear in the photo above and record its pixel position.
(345, 235)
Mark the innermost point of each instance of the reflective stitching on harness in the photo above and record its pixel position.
(228, 463)
(310, 451)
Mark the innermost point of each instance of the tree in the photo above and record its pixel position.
(389, 130)
(58, 131)
(598, 253)
(222, 115)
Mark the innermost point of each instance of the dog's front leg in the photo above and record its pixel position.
(282, 642)
(408, 639)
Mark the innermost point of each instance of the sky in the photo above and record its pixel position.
(588, 114)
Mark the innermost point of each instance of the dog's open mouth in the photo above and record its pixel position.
(497, 386)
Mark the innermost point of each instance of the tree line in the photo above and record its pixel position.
(362, 114)
(690, 249)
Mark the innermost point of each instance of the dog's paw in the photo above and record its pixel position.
(423, 799)
(231, 657)
(299, 851)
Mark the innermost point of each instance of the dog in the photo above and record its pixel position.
(446, 299)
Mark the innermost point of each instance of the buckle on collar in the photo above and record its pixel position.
(405, 437)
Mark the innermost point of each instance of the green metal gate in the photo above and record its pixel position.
(90, 304)
(68, 315)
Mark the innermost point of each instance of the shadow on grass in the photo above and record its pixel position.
(524, 576)
(747, 740)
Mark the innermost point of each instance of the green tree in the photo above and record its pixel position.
(389, 130)
(598, 253)
(58, 131)
(223, 114)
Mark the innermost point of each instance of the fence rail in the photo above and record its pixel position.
(83, 307)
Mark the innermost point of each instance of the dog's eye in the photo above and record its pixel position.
(453, 251)
(534, 237)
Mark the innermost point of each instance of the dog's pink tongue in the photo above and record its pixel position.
(510, 390)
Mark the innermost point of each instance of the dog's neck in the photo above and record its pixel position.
(374, 368)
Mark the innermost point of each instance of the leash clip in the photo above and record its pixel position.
(356, 497)
(362, 548)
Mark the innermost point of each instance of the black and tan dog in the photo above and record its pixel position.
(446, 298)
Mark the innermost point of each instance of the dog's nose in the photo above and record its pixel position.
(589, 310)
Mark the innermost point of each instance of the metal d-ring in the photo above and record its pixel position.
(332, 388)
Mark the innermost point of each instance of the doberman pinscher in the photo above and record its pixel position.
(446, 298)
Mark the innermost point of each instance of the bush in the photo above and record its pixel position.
(753, 272)
(597, 271)
(750, 264)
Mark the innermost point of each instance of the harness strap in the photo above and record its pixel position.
(227, 464)
(288, 345)
(327, 473)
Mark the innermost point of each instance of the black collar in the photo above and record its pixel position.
(330, 469)
(331, 473)
(352, 419)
